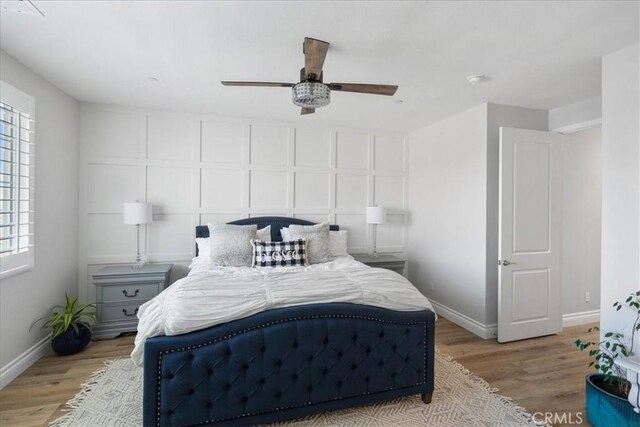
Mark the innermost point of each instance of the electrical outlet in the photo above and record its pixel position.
(587, 296)
(431, 285)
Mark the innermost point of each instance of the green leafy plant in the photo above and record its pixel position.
(614, 345)
(62, 318)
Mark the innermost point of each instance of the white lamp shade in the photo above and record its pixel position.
(137, 213)
(376, 215)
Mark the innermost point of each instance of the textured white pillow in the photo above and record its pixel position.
(338, 243)
(204, 244)
(317, 240)
(264, 234)
(231, 244)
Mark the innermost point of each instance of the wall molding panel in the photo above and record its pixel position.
(197, 169)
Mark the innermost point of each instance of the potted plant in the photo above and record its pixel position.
(607, 393)
(70, 327)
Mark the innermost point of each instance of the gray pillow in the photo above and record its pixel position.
(231, 244)
(317, 240)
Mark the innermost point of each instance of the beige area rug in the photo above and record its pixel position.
(113, 397)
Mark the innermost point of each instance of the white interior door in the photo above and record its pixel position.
(530, 236)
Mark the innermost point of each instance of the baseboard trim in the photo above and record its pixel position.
(487, 332)
(11, 370)
(581, 318)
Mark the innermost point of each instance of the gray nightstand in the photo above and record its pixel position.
(120, 291)
(390, 262)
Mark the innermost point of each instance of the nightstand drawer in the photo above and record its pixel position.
(130, 292)
(119, 312)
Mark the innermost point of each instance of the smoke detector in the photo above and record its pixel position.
(477, 79)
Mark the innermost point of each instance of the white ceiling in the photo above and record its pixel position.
(537, 54)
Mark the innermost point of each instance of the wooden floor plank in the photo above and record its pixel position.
(28, 416)
(544, 374)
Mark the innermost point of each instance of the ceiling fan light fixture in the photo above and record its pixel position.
(311, 94)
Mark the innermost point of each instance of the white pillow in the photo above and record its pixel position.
(204, 244)
(230, 244)
(204, 247)
(264, 234)
(317, 240)
(338, 243)
(285, 234)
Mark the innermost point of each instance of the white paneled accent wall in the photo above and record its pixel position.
(196, 169)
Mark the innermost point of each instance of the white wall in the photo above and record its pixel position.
(453, 200)
(28, 296)
(581, 220)
(197, 169)
(620, 185)
(447, 204)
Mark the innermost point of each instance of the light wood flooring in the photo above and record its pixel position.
(543, 374)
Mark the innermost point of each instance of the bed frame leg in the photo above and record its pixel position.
(426, 398)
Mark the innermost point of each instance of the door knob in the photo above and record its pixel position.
(505, 262)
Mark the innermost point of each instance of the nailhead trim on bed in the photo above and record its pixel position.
(324, 316)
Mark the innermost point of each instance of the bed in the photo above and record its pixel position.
(288, 362)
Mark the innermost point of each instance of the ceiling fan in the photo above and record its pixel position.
(311, 93)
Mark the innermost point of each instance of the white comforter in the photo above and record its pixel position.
(210, 296)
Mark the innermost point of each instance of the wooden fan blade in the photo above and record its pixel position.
(306, 110)
(315, 51)
(388, 90)
(263, 84)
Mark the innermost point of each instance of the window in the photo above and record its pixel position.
(16, 180)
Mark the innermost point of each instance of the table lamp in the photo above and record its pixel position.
(137, 213)
(376, 215)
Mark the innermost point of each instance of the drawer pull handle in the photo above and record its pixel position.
(126, 294)
(124, 310)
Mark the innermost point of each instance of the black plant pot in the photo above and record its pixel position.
(71, 342)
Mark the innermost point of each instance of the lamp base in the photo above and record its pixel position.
(139, 264)
(374, 254)
(139, 261)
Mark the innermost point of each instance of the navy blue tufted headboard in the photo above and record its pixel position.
(276, 223)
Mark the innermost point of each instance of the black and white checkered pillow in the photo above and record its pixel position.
(283, 254)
